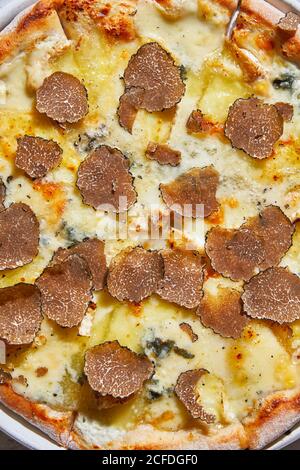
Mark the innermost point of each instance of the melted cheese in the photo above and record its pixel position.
(241, 372)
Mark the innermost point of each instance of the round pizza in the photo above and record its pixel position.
(149, 234)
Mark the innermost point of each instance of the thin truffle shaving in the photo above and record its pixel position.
(186, 391)
(20, 313)
(257, 245)
(186, 327)
(274, 295)
(105, 182)
(116, 371)
(63, 98)
(223, 312)
(134, 274)
(37, 156)
(193, 193)
(92, 250)
(152, 82)
(286, 110)
(66, 291)
(183, 277)
(19, 236)
(163, 154)
(254, 126)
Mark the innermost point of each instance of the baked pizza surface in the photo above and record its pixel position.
(124, 327)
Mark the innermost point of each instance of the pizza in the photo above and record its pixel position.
(149, 234)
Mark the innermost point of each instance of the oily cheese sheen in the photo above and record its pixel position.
(243, 371)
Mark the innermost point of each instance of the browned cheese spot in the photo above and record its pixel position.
(163, 154)
(183, 277)
(63, 98)
(105, 182)
(223, 312)
(274, 295)
(257, 245)
(185, 390)
(66, 291)
(37, 156)
(254, 127)
(19, 236)
(116, 371)
(20, 313)
(152, 82)
(92, 250)
(134, 274)
(191, 190)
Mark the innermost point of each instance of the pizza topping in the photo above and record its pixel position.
(41, 371)
(197, 123)
(234, 253)
(92, 250)
(62, 97)
(108, 401)
(189, 331)
(115, 370)
(284, 82)
(254, 127)
(163, 154)
(37, 156)
(223, 313)
(186, 391)
(260, 243)
(274, 295)
(276, 231)
(183, 277)
(20, 313)
(134, 274)
(288, 24)
(286, 110)
(5, 377)
(193, 191)
(128, 108)
(152, 70)
(152, 82)
(66, 291)
(2, 194)
(19, 236)
(105, 182)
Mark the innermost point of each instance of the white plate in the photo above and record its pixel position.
(10, 423)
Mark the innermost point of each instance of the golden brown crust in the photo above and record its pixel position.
(279, 413)
(34, 24)
(57, 425)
